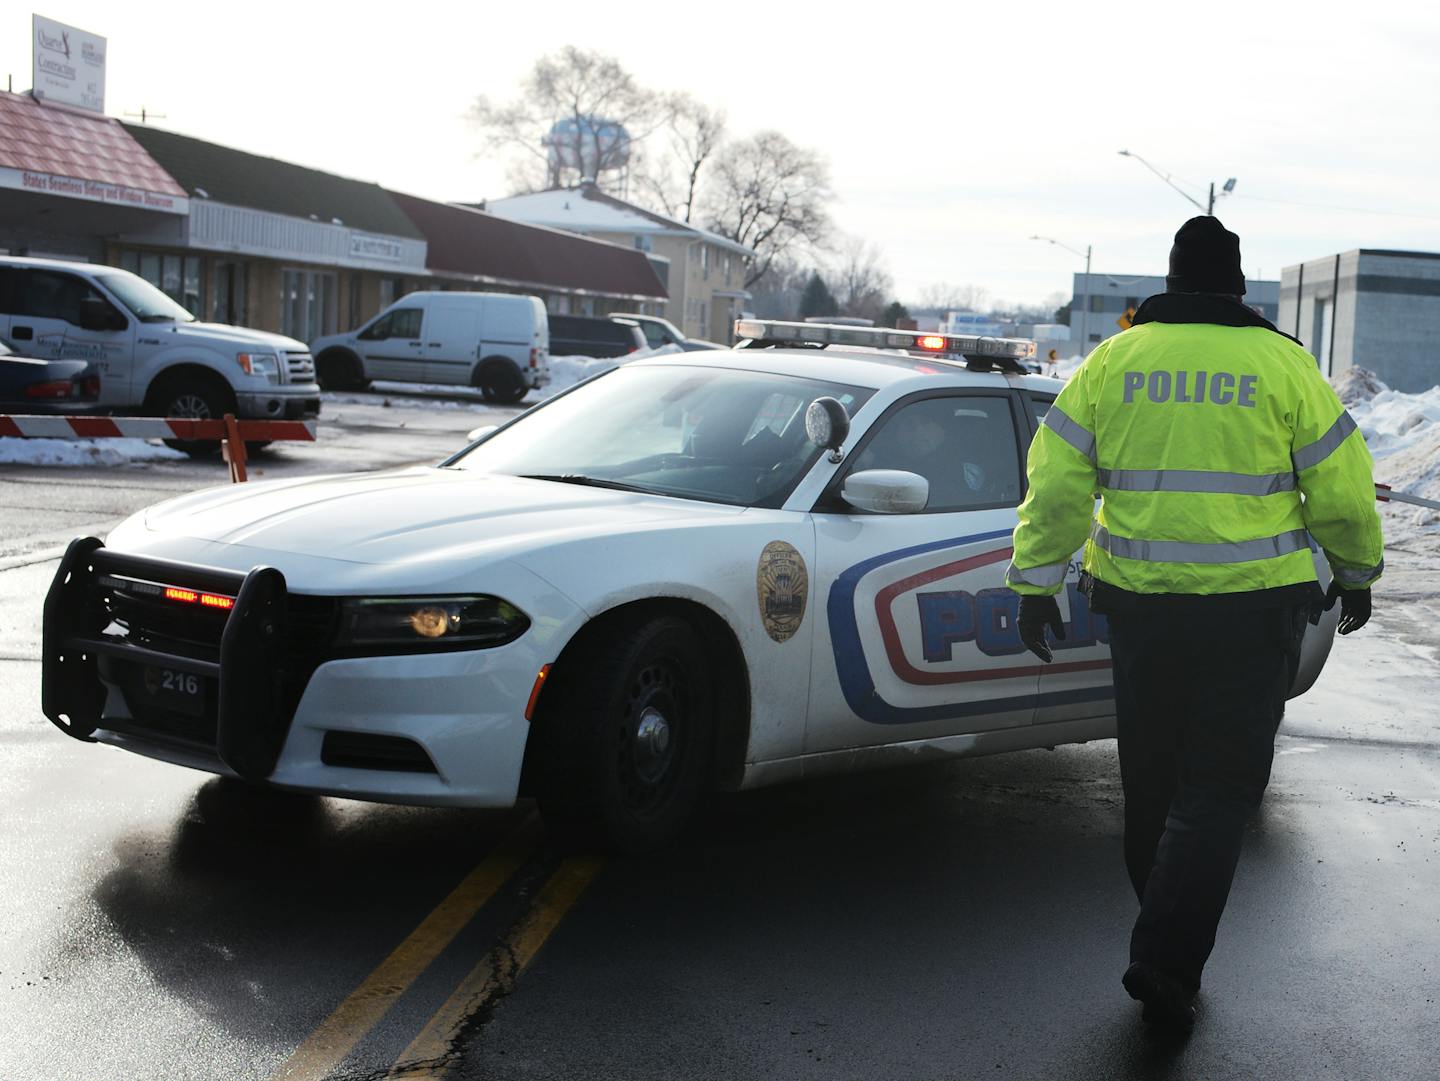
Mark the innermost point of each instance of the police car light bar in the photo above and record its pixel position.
(772, 330)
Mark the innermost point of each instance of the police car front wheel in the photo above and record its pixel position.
(624, 736)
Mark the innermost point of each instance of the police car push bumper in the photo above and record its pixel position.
(427, 728)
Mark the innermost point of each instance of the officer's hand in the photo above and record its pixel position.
(1035, 613)
(1354, 607)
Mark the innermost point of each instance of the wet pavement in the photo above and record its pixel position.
(961, 920)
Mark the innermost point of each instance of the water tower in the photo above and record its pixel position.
(589, 145)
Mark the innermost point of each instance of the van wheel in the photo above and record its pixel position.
(624, 737)
(340, 369)
(191, 395)
(499, 381)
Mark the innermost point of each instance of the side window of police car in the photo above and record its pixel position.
(965, 446)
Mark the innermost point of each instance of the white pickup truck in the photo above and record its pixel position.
(151, 354)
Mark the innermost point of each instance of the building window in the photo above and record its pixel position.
(705, 261)
(177, 276)
(1097, 302)
(644, 243)
(228, 294)
(307, 304)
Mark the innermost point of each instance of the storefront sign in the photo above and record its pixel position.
(365, 246)
(69, 65)
(94, 190)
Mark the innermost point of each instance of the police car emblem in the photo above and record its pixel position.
(782, 585)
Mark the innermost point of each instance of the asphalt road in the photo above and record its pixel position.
(960, 920)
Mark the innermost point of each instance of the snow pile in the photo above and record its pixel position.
(565, 372)
(83, 451)
(1403, 434)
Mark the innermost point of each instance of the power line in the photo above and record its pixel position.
(1344, 209)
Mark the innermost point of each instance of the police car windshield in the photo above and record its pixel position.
(714, 434)
(148, 304)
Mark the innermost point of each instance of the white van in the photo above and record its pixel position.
(149, 352)
(499, 342)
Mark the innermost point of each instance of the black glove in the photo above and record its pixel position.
(1035, 613)
(1354, 607)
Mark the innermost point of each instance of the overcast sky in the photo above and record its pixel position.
(951, 138)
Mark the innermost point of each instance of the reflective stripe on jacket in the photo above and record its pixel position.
(1217, 453)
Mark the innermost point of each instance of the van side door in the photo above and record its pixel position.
(452, 341)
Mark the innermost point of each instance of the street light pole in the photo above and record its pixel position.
(1084, 290)
(1228, 187)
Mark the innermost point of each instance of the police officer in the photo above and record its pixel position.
(1218, 451)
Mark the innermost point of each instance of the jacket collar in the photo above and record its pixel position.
(1202, 308)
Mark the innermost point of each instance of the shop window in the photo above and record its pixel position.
(229, 293)
(308, 302)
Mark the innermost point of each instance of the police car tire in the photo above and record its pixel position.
(600, 784)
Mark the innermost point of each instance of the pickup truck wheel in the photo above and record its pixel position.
(500, 381)
(625, 738)
(192, 396)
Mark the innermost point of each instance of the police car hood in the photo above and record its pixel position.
(414, 515)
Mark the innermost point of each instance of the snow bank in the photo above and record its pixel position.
(1403, 434)
(83, 451)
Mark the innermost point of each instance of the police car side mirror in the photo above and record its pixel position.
(886, 491)
(826, 425)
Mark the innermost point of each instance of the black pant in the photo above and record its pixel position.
(1199, 696)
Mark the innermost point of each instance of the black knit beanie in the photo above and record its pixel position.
(1205, 259)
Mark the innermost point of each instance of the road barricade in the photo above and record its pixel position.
(232, 434)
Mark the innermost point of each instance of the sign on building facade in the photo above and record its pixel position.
(68, 65)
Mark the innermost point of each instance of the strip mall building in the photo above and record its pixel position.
(244, 239)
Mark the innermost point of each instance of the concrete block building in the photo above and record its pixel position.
(1100, 299)
(1376, 308)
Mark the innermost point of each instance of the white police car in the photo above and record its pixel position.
(722, 570)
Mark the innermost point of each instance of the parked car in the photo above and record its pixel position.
(150, 354)
(499, 342)
(582, 336)
(31, 385)
(722, 570)
(661, 332)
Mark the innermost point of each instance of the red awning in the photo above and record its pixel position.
(55, 151)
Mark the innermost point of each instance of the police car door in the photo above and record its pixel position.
(917, 636)
(1079, 682)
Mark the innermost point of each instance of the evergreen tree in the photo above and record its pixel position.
(893, 314)
(816, 300)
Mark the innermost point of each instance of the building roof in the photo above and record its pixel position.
(209, 171)
(484, 247)
(47, 139)
(587, 209)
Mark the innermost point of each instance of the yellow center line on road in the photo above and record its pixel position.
(337, 1035)
(433, 1052)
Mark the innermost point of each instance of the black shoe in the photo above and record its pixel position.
(1169, 1004)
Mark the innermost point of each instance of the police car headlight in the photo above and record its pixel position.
(429, 622)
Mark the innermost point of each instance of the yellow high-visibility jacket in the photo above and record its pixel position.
(1217, 453)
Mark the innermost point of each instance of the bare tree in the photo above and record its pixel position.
(861, 283)
(770, 195)
(777, 295)
(947, 297)
(668, 175)
(578, 114)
